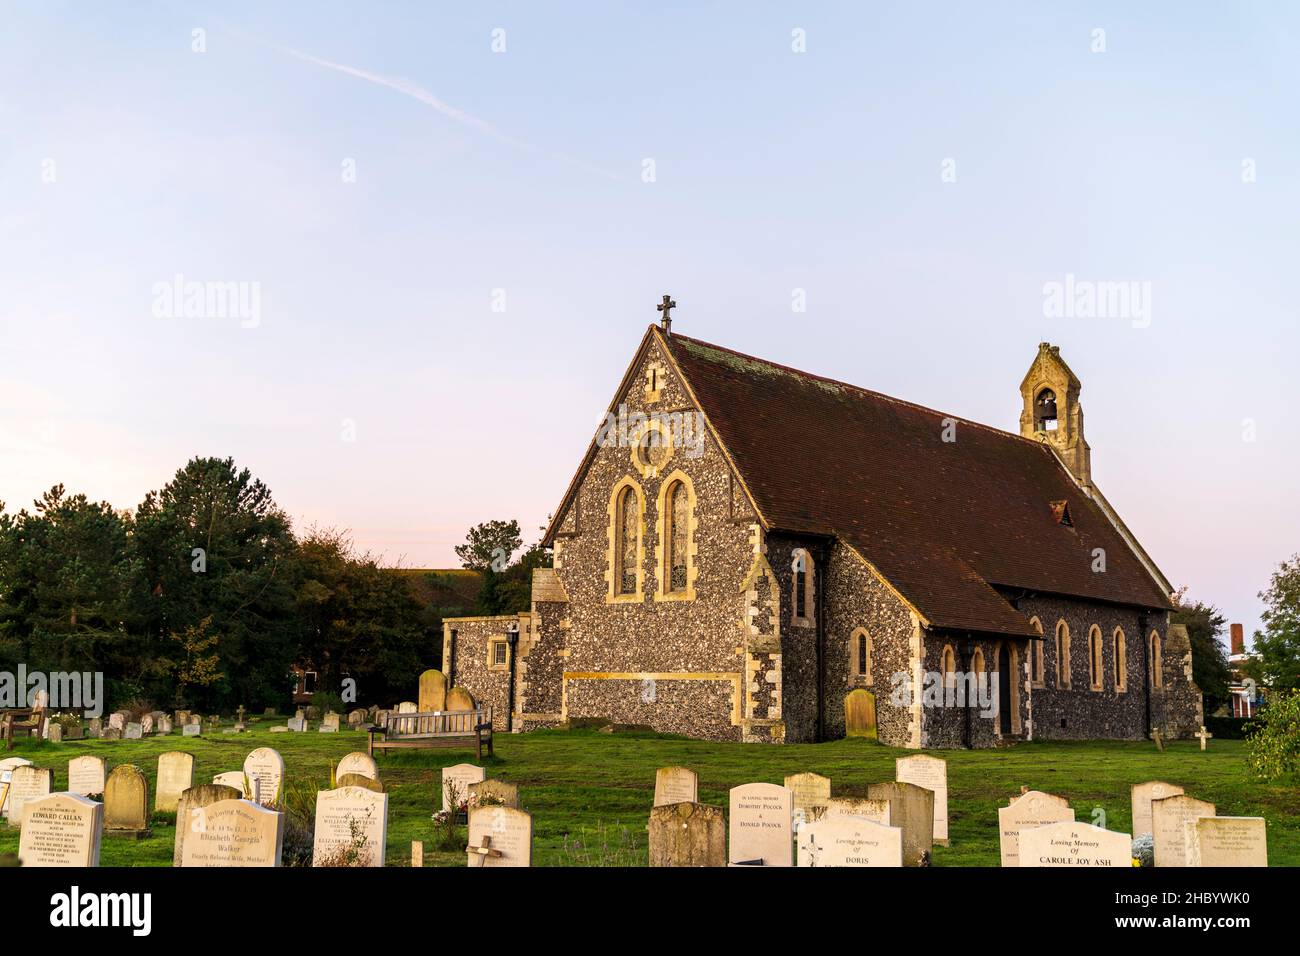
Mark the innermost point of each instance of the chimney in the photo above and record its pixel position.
(1238, 641)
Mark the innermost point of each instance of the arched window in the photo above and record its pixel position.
(1045, 411)
(675, 522)
(802, 578)
(948, 665)
(977, 662)
(1157, 661)
(1036, 654)
(860, 657)
(1094, 657)
(1062, 654)
(626, 518)
(1121, 660)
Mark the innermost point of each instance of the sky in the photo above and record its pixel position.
(443, 229)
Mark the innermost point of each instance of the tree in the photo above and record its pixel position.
(197, 668)
(508, 589)
(1273, 748)
(1277, 648)
(213, 544)
(1210, 669)
(489, 546)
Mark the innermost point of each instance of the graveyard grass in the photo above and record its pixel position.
(590, 793)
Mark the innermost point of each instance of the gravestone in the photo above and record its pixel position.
(146, 725)
(1075, 845)
(338, 812)
(499, 836)
(931, 773)
(111, 733)
(1141, 795)
(164, 726)
(86, 775)
(494, 793)
(298, 724)
(330, 724)
(7, 767)
(311, 712)
(126, 802)
(358, 780)
(183, 717)
(676, 785)
(266, 766)
(54, 733)
(358, 719)
(849, 841)
(27, 783)
(874, 810)
(687, 834)
(62, 829)
(911, 808)
(75, 730)
(408, 707)
(811, 792)
(761, 825)
(117, 719)
(233, 833)
(175, 776)
(357, 762)
(1031, 809)
(458, 698)
(1227, 841)
(460, 777)
(860, 714)
(133, 731)
(1169, 817)
(240, 782)
(417, 853)
(191, 730)
(193, 799)
(433, 691)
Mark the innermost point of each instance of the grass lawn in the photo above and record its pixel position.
(590, 793)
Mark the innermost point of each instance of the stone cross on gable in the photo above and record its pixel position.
(666, 307)
(1204, 735)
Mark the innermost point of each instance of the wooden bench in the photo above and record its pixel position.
(439, 728)
(22, 720)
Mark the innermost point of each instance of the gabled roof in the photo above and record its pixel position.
(945, 522)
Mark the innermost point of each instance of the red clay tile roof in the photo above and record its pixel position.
(944, 522)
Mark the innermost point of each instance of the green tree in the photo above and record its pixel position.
(1210, 670)
(1273, 746)
(66, 576)
(1277, 647)
(489, 546)
(213, 544)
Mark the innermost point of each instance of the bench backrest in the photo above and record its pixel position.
(438, 722)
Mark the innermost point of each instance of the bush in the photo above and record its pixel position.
(326, 702)
(1230, 728)
(1274, 741)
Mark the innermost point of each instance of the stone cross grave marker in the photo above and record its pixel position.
(233, 833)
(761, 825)
(849, 841)
(175, 776)
(87, 774)
(126, 802)
(1140, 797)
(911, 808)
(1031, 809)
(676, 785)
(61, 829)
(266, 766)
(1069, 844)
(687, 834)
(1227, 841)
(1204, 736)
(460, 778)
(338, 813)
(499, 836)
(28, 783)
(1169, 816)
(931, 773)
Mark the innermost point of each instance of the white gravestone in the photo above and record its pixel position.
(351, 819)
(761, 825)
(266, 766)
(62, 829)
(87, 774)
(499, 836)
(676, 785)
(849, 841)
(460, 777)
(931, 773)
(233, 833)
(1169, 816)
(1032, 809)
(1078, 845)
(1140, 797)
(1227, 841)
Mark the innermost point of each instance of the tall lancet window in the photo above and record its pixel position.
(679, 516)
(628, 517)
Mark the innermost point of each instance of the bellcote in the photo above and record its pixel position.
(1051, 412)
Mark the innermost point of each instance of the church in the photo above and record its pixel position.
(745, 547)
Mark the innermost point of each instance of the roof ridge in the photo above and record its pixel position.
(857, 388)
